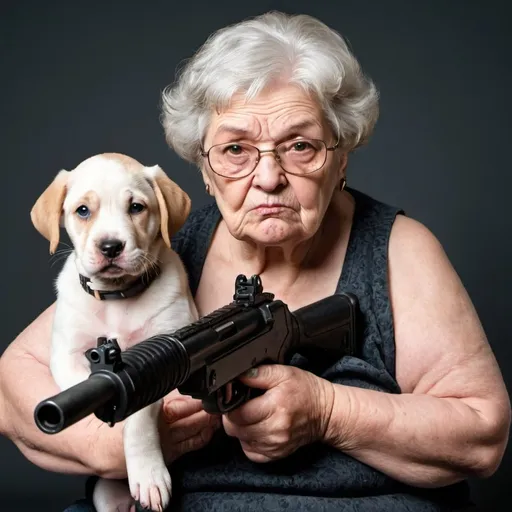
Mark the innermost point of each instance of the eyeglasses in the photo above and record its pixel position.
(237, 160)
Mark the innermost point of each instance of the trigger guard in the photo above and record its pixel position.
(222, 401)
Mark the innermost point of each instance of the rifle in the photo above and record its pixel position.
(204, 359)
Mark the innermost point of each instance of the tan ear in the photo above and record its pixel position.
(173, 202)
(47, 210)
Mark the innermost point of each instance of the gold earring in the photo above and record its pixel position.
(208, 189)
(343, 183)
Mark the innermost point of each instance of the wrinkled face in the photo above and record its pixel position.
(269, 206)
(111, 215)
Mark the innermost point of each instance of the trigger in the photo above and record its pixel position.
(227, 398)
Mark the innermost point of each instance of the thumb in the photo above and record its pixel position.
(266, 376)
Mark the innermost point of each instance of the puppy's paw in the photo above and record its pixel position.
(150, 485)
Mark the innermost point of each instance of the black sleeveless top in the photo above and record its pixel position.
(219, 477)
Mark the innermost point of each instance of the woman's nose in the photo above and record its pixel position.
(268, 174)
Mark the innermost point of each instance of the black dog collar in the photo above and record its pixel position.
(137, 287)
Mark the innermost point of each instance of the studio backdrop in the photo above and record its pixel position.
(81, 78)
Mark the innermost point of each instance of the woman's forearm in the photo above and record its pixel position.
(421, 440)
(88, 447)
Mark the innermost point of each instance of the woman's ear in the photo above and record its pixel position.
(207, 182)
(47, 211)
(173, 202)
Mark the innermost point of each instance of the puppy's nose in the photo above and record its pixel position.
(111, 248)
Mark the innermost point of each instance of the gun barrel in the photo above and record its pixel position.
(71, 405)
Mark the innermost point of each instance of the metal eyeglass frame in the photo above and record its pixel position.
(206, 154)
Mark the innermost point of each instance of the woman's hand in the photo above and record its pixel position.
(294, 411)
(185, 426)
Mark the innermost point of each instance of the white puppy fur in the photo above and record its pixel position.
(120, 216)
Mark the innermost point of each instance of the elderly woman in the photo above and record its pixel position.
(269, 110)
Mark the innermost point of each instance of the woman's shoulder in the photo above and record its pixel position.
(408, 237)
(372, 211)
(387, 233)
(372, 223)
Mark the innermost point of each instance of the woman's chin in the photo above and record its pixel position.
(274, 232)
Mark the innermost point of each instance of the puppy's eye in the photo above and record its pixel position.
(136, 208)
(83, 212)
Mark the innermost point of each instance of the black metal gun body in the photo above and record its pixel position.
(204, 359)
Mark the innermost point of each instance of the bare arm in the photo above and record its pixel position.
(89, 446)
(453, 416)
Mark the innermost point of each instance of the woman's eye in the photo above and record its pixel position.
(136, 208)
(83, 212)
(301, 146)
(234, 149)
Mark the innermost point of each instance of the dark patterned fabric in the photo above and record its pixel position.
(315, 478)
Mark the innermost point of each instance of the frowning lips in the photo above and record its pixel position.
(270, 207)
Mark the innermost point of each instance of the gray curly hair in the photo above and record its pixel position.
(247, 56)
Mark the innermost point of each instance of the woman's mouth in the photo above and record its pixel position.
(270, 209)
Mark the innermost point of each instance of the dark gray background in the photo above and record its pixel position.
(80, 78)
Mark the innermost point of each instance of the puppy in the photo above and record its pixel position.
(122, 280)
